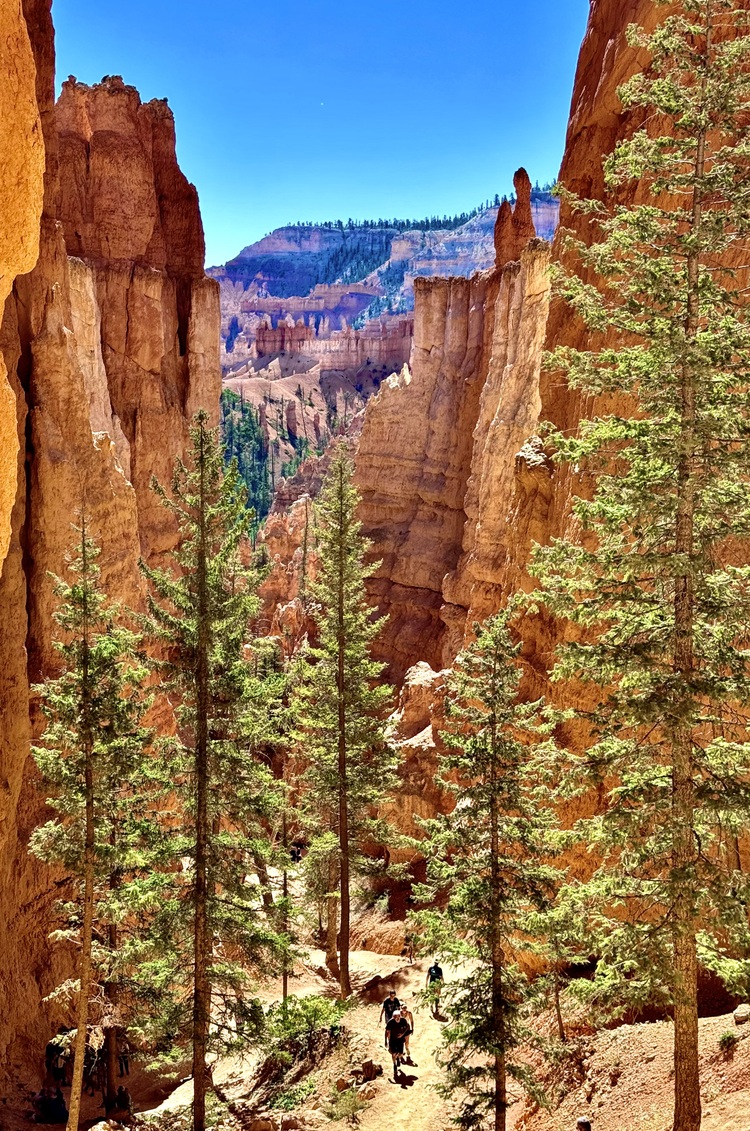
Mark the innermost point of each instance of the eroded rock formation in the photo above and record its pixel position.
(438, 448)
(21, 189)
(110, 344)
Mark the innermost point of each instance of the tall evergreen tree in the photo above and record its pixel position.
(202, 609)
(665, 616)
(487, 871)
(95, 752)
(340, 706)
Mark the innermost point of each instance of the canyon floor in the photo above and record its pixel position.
(620, 1078)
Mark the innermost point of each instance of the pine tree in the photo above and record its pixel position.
(487, 870)
(340, 706)
(202, 609)
(95, 751)
(665, 617)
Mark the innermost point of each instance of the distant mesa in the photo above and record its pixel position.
(308, 281)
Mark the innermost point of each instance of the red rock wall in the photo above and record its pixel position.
(455, 486)
(438, 449)
(385, 342)
(111, 343)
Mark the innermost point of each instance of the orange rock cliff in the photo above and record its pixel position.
(109, 343)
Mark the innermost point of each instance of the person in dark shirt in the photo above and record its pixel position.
(395, 1035)
(583, 1124)
(434, 984)
(388, 1008)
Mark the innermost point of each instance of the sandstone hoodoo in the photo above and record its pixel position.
(438, 456)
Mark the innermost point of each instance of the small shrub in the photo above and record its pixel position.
(727, 1041)
(294, 1024)
(345, 1105)
(293, 1097)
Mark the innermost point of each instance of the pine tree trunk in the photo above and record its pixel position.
(497, 956)
(344, 981)
(110, 1053)
(110, 992)
(558, 1010)
(687, 1109)
(332, 925)
(201, 983)
(84, 975)
(285, 920)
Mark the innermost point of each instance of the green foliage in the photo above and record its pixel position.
(426, 224)
(339, 706)
(666, 619)
(294, 1024)
(245, 443)
(227, 698)
(96, 752)
(293, 1097)
(487, 869)
(346, 1105)
(727, 1041)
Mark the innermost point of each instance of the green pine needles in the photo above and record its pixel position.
(341, 707)
(96, 753)
(665, 615)
(488, 871)
(202, 611)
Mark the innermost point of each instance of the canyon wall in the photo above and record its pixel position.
(456, 485)
(110, 344)
(21, 190)
(437, 457)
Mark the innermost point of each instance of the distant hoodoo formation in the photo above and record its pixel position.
(319, 279)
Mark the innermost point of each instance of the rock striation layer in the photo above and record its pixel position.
(21, 189)
(110, 344)
(437, 457)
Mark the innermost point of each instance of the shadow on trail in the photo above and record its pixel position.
(405, 1080)
(438, 1016)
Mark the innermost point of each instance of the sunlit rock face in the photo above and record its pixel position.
(437, 458)
(110, 341)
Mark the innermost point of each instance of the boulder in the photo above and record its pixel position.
(741, 1014)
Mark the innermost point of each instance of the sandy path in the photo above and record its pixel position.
(412, 1103)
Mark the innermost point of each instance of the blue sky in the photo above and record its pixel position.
(324, 109)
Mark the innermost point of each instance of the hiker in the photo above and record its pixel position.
(90, 1071)
(49, 1106)
(395, 1035)
(583, 1124)
(40, 1104)
(124, 1100)
(389, 1006)
(408, 1016)
(58, 1110)
(56, 1060)
(434, 984)
(123, 1055)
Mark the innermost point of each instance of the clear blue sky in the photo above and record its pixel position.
(319, 109)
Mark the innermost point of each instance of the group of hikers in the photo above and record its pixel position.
(48, 1106)
(48, 1103)
(399, 1025)
(399, 1019)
